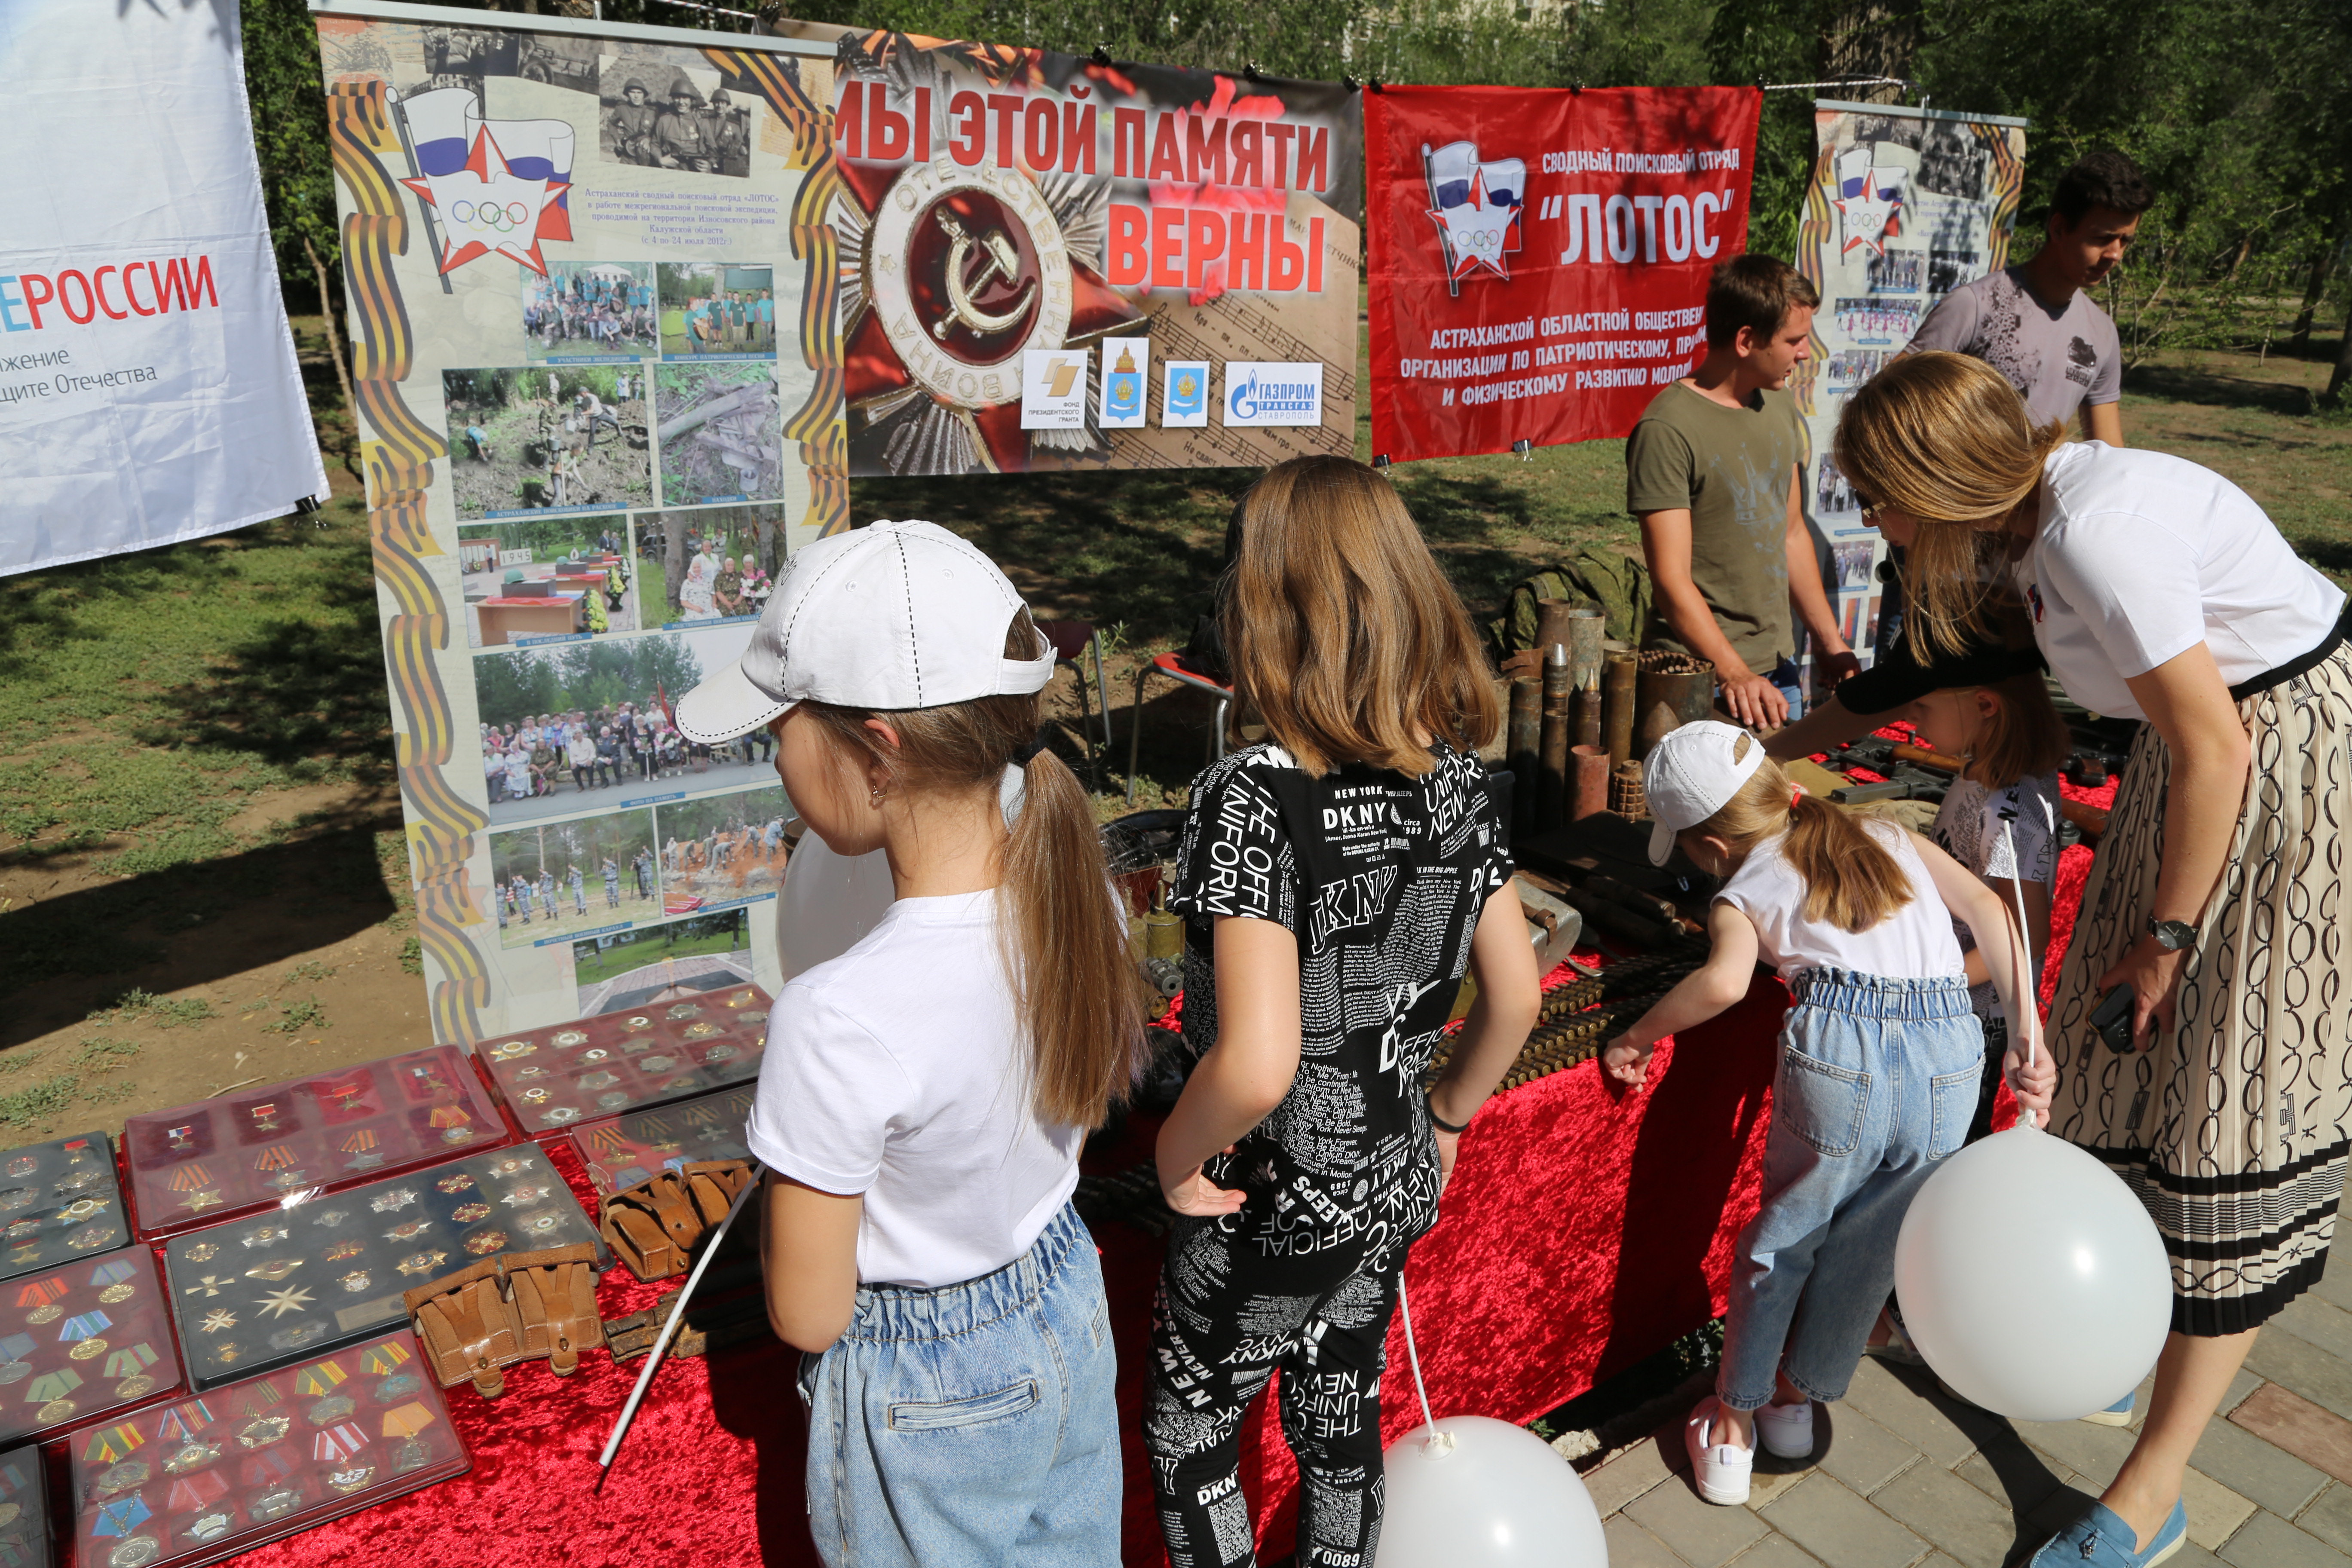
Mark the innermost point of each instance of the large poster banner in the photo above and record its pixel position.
(1905, 206)
(1056, 262)
(593, 316)
(1539, 260)
(148, 386)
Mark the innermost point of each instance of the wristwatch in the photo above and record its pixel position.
(2171, 935)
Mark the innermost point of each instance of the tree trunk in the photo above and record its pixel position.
(2321, 266)
(335, 353)
(673, 557)
(2343, 363)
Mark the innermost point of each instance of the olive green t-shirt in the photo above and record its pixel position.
(1731, 467)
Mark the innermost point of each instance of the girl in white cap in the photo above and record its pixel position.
(1880, 1059)
(925, 1093)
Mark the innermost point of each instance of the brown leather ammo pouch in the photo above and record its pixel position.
(554, 1298)
(469, 1327)
(655, 1225)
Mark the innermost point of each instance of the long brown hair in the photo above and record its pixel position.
(1073, 978)
(1343, 632)
(2023, 736)
(1852, 880)
(1944, 438)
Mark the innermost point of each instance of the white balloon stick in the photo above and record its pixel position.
(1437, 1438)
(677, 1316)
(2029, 1004)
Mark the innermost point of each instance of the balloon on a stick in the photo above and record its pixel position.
(1472, 1492)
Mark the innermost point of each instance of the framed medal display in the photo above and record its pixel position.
(58, 1204)
(627, 1150)
(207, 1477)
(82, 1339)
(674, 1047)
(24, 1510)
(297, 1281)
(244, 1152)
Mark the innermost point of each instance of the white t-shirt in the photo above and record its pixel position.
(2141, 557)
(829, 903)
(1913, 943)
(900, 1071)
(1967, 828)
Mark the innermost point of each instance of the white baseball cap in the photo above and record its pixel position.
(890, 616)
(1690, 775)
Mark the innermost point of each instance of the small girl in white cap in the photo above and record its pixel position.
(926, 1091)
(1880, 1058)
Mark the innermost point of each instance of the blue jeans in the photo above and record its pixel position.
(1878, 1081)
(971, 1424)
(1790, 679)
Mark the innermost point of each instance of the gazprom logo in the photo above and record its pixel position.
(1253, 400)
(1273, 394)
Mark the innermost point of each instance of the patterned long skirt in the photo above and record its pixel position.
(2232, 1128)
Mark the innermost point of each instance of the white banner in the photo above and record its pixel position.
(149, 391)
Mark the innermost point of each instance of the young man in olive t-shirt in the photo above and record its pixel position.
(1712, 474)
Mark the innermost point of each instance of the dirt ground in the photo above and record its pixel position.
(616, 475)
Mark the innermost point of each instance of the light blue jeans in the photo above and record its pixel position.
(973, 1424)
(1878, 1081)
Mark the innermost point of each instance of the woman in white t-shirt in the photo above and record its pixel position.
(926, 1091)
(2159, 591)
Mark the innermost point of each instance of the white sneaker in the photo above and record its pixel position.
(1786, 1430)
(1721, 1469)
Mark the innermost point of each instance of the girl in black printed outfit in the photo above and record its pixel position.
(1338, 880)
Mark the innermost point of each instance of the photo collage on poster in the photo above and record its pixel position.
(614, 356)
(1908, 205)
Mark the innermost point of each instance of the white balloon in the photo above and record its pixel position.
(1494, 1496)
(2032, 1278)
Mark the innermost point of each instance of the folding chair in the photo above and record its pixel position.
(1166, 664)
(1070, 640)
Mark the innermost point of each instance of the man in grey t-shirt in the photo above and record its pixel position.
(2036, 324)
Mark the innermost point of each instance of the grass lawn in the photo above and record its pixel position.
(626, 955)
(196, 754)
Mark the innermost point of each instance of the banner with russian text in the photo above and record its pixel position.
(149, 391)
(1055, 262)
(1905, 206)
(1539, 259)
(594, 348)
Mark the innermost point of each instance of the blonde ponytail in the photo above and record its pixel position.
(1852, 882)
(1066, 950)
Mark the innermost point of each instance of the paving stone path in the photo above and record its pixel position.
(1905, 1476)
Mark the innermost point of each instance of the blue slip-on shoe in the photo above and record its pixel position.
(2100, 1538)
(2119, 1413)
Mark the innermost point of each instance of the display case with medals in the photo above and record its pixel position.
(268, 1290)
(626, 1150)
(24, 1510)
(207, 1477)
(238, 1153)
(77, 1342)
(679, 1045)
(58, 1204)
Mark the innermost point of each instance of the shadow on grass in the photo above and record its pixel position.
(2216, 389)
(253, 908)
(1140, 548)
(296, 690)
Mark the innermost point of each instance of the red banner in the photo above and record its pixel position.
(1539, 259)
